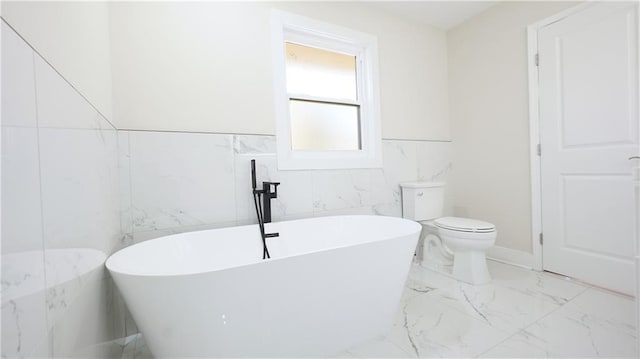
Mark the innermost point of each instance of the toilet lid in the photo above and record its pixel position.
(464, 224)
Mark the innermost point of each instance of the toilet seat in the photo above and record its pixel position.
(459, 224)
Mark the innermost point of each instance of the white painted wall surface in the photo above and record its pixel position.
(74, 38)
(488, 102)
(206, 66)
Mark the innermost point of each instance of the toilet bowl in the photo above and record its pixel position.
(431, 252)
(460, 241)
(468, 239)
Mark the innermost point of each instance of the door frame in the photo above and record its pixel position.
(534, 127)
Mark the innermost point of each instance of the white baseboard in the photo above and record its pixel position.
(511, 256)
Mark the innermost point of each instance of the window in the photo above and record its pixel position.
(323, 100)
(326, 95)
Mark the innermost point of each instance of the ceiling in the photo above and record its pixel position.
(441, 14)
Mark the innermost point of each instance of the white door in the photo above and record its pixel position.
(588, 93)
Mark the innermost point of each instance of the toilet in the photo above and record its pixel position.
(452, 245)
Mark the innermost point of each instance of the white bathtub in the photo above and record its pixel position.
(332, 282)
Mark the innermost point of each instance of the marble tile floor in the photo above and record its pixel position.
(520, 314)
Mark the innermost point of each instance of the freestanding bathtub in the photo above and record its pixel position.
(331, 282)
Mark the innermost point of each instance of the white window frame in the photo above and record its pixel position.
(288, 27)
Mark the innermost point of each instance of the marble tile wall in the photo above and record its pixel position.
(175, 182)
(60, 213)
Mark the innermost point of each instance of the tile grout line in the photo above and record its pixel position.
(48, 320)
(130, 182)
(409, 355)
(459, 311)
(120, 166)
(511, 336)
(451, 307)
(520, 330)
(234, 161)
(259, 134)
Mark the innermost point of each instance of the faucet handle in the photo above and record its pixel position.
(275, 188)
(266, 187)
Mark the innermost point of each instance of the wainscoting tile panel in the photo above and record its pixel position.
(181, 179)
(168, 165)
(340, 189)
(367, 210)
(21, 208)
(138, 237)
(124, 180)
(80, 188)
(246, 144)
(434, 165)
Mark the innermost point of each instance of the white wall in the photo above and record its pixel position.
(488, 102)
(193, 66)
(206, 66)
(74, 38)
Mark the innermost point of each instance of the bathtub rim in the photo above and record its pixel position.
(110, 266)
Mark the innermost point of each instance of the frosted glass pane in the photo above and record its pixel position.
(324, 126)
(320, 73)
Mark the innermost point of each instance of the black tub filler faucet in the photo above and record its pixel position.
(263, 210)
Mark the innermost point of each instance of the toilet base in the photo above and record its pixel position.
(471, 267)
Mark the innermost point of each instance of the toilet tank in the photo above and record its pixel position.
(422, 201)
